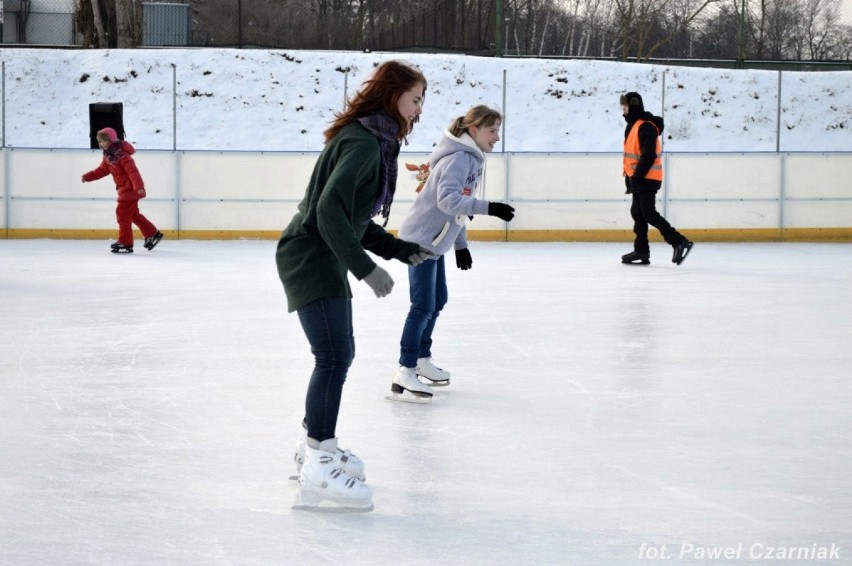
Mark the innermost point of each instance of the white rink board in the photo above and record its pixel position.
(238, 176)
(723, 214)
(726, 176)
(821, 175)
(260, 190)
(555, 176)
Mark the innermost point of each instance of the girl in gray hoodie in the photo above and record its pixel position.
(436, 221)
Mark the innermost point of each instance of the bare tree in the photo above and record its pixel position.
(628, 29)
(98, 22)
(779, 20)
(127, 24)
(583, 20)
(645, 23)
(718, 36)
(108, 23)
(815, 36)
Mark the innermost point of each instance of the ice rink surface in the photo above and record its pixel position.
(599, 414)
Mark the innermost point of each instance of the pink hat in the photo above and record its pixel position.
(109, 134)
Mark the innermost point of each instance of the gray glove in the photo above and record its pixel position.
(419, 257)
(379, 281)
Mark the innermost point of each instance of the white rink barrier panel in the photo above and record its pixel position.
(557, 196)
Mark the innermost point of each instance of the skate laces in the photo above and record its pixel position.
(350, 481)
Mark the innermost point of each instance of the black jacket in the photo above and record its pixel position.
(648, 150)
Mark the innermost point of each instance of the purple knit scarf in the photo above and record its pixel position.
(386, 130)
(114, 152)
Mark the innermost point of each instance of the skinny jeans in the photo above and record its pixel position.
(327, 324)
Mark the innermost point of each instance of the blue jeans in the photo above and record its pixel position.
(327, 324)
(427, 284)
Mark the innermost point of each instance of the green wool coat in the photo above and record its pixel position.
(329, 234)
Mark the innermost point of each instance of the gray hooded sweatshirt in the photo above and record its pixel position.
(436, 220)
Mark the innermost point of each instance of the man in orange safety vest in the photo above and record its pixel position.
(643, 177)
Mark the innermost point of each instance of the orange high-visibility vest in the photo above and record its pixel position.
(632, 151)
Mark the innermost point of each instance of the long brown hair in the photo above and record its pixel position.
(478, 116)
(381, 91)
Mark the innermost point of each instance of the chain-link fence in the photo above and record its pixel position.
(732, 30)
(50, 22)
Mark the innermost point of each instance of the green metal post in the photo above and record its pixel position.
(741, 54)
(498, 29)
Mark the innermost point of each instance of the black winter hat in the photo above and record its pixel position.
(632, 99)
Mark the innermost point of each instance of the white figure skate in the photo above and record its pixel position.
(351, 464)
(436, 376)
(406, 387)
(323, 480)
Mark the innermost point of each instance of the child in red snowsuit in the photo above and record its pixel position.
(130, 189)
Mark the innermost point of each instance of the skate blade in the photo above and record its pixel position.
(319, 504)
(438, 383)
(408, 397)
(686, 253)
(330, 509)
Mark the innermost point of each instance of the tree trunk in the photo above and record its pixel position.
(125, 24)
(100, 31)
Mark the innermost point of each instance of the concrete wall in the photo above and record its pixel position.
(576, 196)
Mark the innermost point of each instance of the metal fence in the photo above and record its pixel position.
(34, 22)
(726, 31)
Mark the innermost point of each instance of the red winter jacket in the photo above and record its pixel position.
(128, 181)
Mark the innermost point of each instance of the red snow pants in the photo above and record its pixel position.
(127, 213)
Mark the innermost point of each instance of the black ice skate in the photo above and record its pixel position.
(117, 248)
(151, 242)
(635, 258)
(681, 251)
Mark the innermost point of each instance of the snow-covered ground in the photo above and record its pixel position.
(225, 99)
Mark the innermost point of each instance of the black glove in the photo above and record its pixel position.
(463, 259)
(500, 210)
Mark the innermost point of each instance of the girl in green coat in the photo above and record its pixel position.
(353, 180)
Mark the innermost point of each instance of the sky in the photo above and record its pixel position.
(262, 100)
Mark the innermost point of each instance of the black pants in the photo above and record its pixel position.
(644, 212)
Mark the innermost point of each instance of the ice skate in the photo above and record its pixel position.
(406, 387)
(323, 481)
(351, 464)
(435, 376)
(681, 251)
(117, 248)
(635, 258)
(151, 242)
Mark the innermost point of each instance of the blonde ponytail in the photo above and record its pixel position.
(478, 116)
